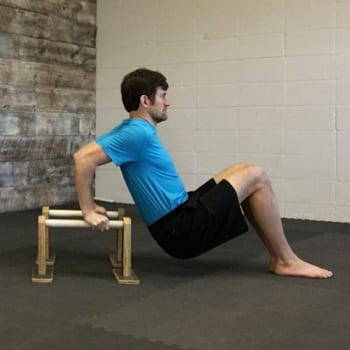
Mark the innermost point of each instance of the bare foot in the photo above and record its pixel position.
(299, 268)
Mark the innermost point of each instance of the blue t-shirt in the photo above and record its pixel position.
(147, 167)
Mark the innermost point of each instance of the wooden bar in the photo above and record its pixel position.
(77, 213)
(77, 223)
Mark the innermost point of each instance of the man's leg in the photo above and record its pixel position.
(260, 207)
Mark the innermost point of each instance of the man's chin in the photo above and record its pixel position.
(158, 120)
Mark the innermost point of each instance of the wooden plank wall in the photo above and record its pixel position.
(47, 98)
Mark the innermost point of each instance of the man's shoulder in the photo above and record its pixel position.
(138, 127)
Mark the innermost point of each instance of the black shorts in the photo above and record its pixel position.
(211, 216)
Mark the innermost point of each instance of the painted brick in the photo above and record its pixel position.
(170, 9)
(311, 16)
(264, 82)
(343, 14)
(310, 118)
(342, 41)
(261, 70)
(108, 119)
(309, 191)
(218, 49)
(343, 118)
(205, 8)
(271, 163)
(268, 45)
(180, 119)
(342, 93)
(267, 94)
(179, 75)
(342, 194)
(266, 20)
(310, 93)
(217, 96)
(317, 167)
(217, 73)
(211, 164)
(186, 163)
(183, 97)
(176, 29)
(342, 67)
(107, 98)
(183, 141)
(261, 118)
(309, 211)
(178, 52)
(310, 42)
(211, 28)
(270, 142)
(310, 68)
(343, 168)
(310, 142)
(217, 118)
(343, 143)
(215, 141)
(259, 5)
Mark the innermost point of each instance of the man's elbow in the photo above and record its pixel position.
(77, 157)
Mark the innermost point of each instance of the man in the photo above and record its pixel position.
(184, 224)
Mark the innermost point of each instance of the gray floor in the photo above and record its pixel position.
(225, 299)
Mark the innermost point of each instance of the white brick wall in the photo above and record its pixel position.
(262, 81)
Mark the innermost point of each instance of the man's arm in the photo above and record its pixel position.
(86, 161)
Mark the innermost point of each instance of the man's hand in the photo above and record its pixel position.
(97, 221)
(99, 209)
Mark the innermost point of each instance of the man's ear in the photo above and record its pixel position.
(144, 101)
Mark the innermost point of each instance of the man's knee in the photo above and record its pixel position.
(259, 175)
(246, 178)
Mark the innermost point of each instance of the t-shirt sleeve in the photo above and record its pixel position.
(123, 145)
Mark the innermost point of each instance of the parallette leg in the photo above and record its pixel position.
(125, 275)
(50, 254)
(41, 272)
(117, 258)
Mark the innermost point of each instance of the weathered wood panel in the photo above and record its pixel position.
(49, 100)
(46, 26)
(32, 173)
(36, 148)
(44, 123)
(15, 199)
(13, 72)
(81, 11)
(31, 148)
(13, 46)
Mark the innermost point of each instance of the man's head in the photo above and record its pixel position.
(141, 82)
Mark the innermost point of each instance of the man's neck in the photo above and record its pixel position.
(142, 115)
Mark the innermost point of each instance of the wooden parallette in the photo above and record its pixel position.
(120, 260)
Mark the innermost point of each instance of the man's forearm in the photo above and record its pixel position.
(86, 161)
(84, 174)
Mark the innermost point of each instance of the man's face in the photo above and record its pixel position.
(158, 110)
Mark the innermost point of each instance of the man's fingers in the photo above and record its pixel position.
(103, 225)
